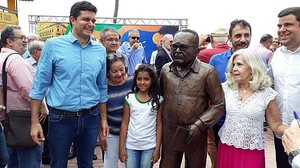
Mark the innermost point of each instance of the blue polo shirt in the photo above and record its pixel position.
(220, 61)
(74, 74)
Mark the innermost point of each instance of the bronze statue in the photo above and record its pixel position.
(193, 102)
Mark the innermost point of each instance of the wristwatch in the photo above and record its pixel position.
(292, 154)
(2, 107)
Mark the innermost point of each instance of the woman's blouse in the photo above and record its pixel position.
(243, 127)
(116, 97)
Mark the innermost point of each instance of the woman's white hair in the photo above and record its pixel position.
(259, 78)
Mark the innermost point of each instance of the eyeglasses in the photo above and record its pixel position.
(24, 38)
(182, 47)
(135, 38)
(111, 56)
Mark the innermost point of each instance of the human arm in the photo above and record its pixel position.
(123, 133)
(103, 120)
(36, 132)
(291, 142)
(216, 107)
(156, 153)
(273, 118)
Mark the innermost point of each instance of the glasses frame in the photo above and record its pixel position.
(138, 38)
(182, 47)
(23, 38)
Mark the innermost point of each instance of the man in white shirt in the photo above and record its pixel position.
(285, 72)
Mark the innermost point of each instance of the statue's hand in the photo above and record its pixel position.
(193, 134)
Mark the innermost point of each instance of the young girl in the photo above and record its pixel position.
(141, 128)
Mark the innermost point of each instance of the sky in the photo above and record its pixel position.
(203, 16)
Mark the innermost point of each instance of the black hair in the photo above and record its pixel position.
(153, 90)
(81, 6)
(242, 23)
(196, 36)
(265, 38)
(7, 32)
(110, 61)
(292, 10)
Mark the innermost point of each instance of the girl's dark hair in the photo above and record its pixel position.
(153, 90)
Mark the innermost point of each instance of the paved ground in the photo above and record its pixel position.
(270, 155)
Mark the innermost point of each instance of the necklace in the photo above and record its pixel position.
(245, 92)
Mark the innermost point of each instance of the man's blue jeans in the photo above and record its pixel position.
(3, 149)
(25, 157)
(65, 129)
(139, 158)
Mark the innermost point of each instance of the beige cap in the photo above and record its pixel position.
(220, 32)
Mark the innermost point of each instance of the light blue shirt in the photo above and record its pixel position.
(26, 54)
(133, 57)
(75, 74)
(31, 61)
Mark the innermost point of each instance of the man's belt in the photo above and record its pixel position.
(71, 113)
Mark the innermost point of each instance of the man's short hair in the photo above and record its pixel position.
(81, 6)
(133, 31)
(35, 45)
(242, 23)
(265, 38)
(7, 32)
(111, 29)
(292, 10)
(32, 36)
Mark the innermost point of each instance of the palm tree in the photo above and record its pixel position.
(116, 10)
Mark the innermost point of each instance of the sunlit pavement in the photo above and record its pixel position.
(270, 155)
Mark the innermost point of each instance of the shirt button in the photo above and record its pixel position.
(179, 103)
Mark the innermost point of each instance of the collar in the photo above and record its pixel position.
(284, 49)
(73, 39)
(7, 50)
(31, 61)
(229, 53)
(195, 67)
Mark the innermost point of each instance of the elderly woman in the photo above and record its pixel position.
(249, 99)
(119, 85)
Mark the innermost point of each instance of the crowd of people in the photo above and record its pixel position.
(191, 100)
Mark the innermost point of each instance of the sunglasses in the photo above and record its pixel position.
(111, 56)
(137, 38)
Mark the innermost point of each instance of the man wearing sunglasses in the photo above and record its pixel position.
(193, 102)
(135, 54)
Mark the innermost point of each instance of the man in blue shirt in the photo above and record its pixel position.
(73, 67)
(135, 54)
(240, 37)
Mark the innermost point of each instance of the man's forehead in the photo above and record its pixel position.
(111, 33)
(18, 32)
(135, 34)
(183, 37)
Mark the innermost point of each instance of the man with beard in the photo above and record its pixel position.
(193, 102)
(240, 37)
(73, 66)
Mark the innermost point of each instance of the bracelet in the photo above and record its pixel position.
(2, 107)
